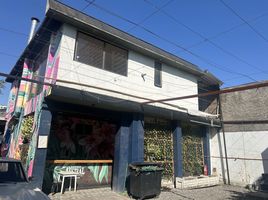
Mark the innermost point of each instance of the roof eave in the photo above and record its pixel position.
(82, 21)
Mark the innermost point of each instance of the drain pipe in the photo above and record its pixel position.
(224, 142)
(35, 21)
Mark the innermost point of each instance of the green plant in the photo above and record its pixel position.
(147, 168)
(27, 128)
(192, 152)
(158, 147)
(26, 135)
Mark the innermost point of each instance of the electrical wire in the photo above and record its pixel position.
(204, 60)
(130, 72)
(227, 31)
(206, 39)
(150, 15)
(242, 19)
(91, 2)
(171, 42)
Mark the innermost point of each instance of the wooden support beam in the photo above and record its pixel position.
(80, 161)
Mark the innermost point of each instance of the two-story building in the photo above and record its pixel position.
(89, 116)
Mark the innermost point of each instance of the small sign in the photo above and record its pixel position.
(42, 141)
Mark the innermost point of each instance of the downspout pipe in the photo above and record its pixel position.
(224, 141)
(35, 21)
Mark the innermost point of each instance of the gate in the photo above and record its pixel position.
(158, 145)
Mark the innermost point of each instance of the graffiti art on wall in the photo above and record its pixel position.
(30, 98)
(53, 61)
(80, 138)
(89, 174)
(12, 100)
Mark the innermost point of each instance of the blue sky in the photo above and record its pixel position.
(235, 52)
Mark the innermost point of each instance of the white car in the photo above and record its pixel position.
(14, 184)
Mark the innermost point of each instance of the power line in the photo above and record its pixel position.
(89, 3)
(241, 18)
(78, 78)
(170, 42)
(227, 31)
(215, 92)
(205, 38)
(15, 56)
(83, 84)
(133, 70)
(150, 15)
(228, 71)
(184, 49)
(69, 49)
(10, 55)
(14, 32)
(162, 101)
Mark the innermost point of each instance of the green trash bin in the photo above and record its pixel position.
(145, 180)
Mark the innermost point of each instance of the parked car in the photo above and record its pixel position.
(14, 184)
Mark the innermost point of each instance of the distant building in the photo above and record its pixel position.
(245, 118)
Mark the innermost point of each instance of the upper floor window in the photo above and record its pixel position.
(158, 74)
(100, 54)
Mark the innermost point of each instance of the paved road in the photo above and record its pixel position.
(214, 193)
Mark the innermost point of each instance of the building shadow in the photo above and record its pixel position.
(235, 195)
(261, 184)
(264, 156)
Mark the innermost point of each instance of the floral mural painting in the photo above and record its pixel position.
(90, 175)
(99, 172)
(81, 138)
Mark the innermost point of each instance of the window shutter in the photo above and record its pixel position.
(158, 74)
(89, 50)
(115, 59)
(97, 53)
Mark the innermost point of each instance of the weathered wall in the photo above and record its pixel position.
(174, 81)
(247, 155)
(245, 110)
(245, 116)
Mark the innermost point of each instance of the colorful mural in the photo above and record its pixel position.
(12, 100)
(30, 97)
(89, 174)
(24, 86)
(14, 149)
(36, 103)
(81, 138)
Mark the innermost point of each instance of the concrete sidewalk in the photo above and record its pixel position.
(220, 192)
(92, 194)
